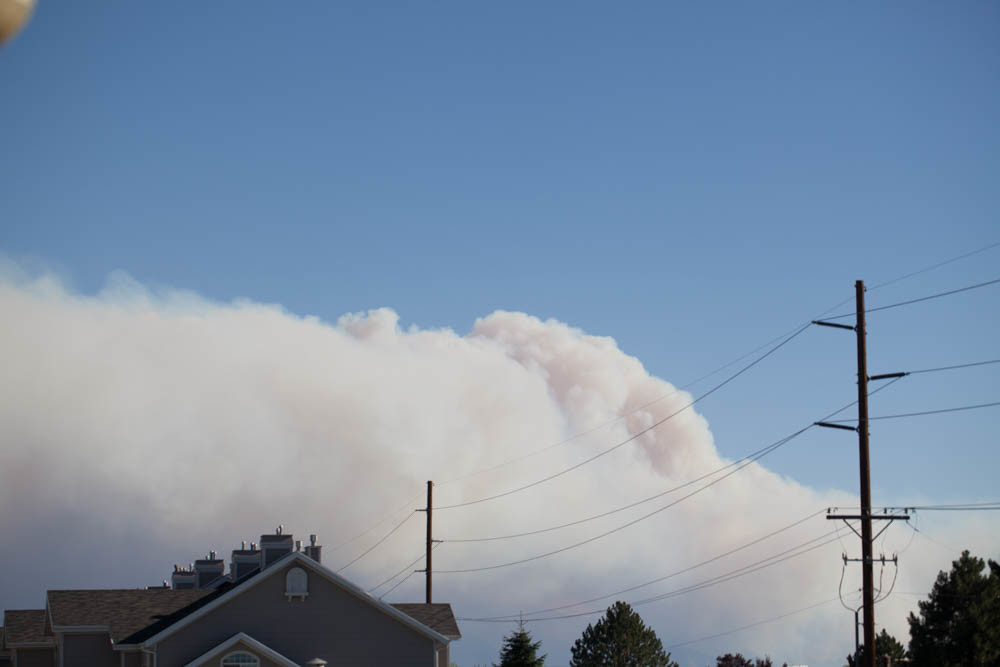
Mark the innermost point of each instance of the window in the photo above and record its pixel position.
(296, 583)
(241, 659)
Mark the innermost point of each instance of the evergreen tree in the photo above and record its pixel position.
(959, 623)
(519, 651)
(620, 639)
(730, 660)
(885, 645)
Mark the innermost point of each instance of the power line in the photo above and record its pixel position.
(937, 506)
(635, 435)
(372, 547)
(401, 571)
(770, 561)
(619, 509)
(401, 581)
(761, 453)
(630, 523)
(918, 300)
(677, 572)
(993, 508)
(760, 565)
(949, 368)
(895, 573)
(376, 524)
(397, 584)
(914, 273)
(752, 455)
(935, 266)
(922, 413)
(752, 625)
(689, 384)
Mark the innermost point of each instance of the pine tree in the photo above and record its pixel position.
(620, 639)
(959, 623)
(885, 645)
(519, 651)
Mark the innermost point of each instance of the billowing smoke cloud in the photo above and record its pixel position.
(144, 427)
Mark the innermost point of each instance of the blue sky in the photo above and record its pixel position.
(689, 179)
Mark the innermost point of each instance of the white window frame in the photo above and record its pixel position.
(222, 660)
(298, 573)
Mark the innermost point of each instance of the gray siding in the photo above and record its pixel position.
(330, 623)
(36, 657)
(132, 659)
(88, 650)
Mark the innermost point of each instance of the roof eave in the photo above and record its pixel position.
(323, 571)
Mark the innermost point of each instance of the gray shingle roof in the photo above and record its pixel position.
(124, 611)
(437, 616)
(25, 626)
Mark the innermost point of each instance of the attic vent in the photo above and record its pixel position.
(296, 584)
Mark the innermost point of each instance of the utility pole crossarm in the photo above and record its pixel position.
(832, 425)
(872, 517)
(833, 324)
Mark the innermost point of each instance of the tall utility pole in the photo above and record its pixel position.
(868, 589)
(430, 545)
(867, 580)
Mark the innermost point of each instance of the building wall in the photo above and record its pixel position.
(88, 650)
(35, 657)
(330, 623)
(132, 659)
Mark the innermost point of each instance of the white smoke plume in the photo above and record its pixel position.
(143, 427)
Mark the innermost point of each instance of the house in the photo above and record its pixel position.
(278, 605)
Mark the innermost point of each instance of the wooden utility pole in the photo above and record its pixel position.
(867, 561)
(867, 580)
(430, 541)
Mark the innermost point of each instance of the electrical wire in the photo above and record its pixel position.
(384, 538)
(988, 505)
(376, 524)
(738, 573)
(770, 561)
(577, 522)
(689, 384)
(630, 523)
(935, 266)
(404, 569)
(401, 581)
(840, 586)
(913, 535)
(398, 584)
(954, 506)
(941, 545)
(949, 368)
(748, 460)
(881, 571)
(635, 435)
(895, 573)
(918, 300)
(677, 572)
(922, 413)
(752, 625)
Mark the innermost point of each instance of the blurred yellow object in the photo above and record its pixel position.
(13, 15)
